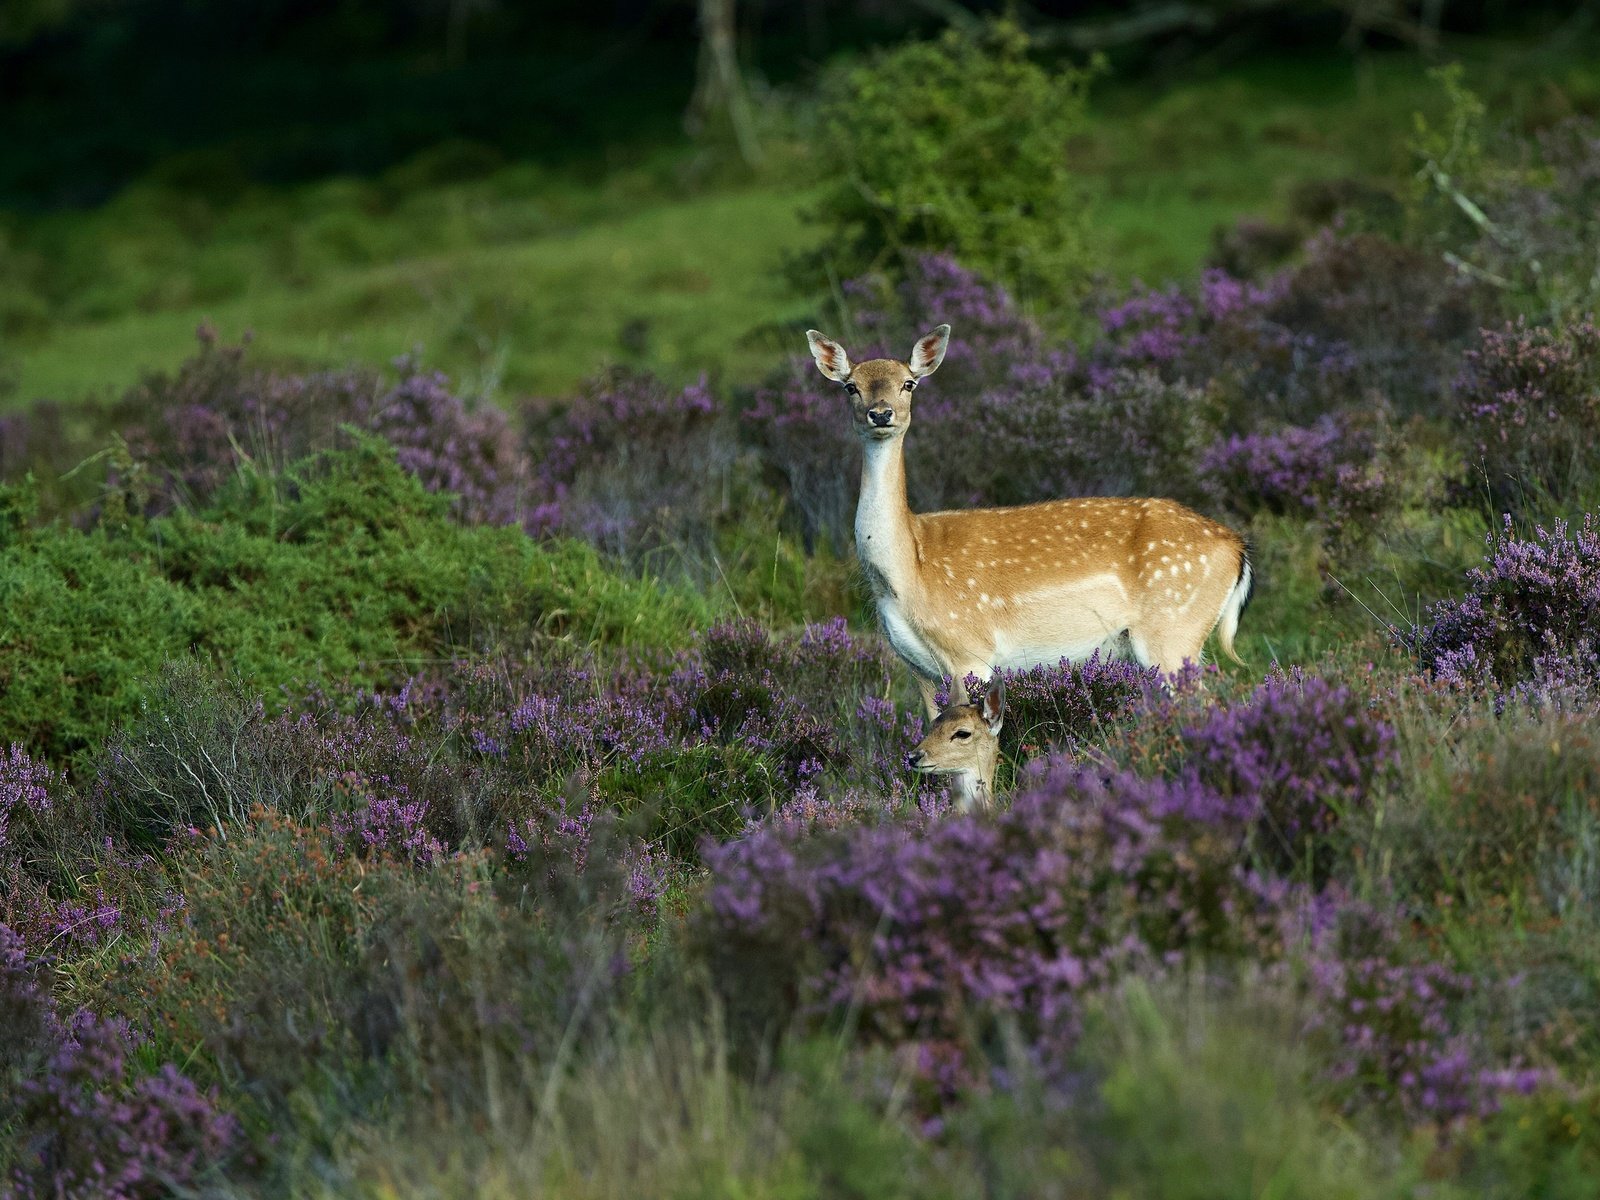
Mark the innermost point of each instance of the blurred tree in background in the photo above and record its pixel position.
(95, 92)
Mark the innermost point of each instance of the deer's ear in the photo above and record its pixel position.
(832, 361)
(994, 703)
(928, 353)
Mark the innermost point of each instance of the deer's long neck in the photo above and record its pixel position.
(885, 532)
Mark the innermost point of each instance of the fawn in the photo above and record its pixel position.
(971, 591)
(964, 742)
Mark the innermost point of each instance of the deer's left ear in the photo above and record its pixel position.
(994, 703)
(928, 353)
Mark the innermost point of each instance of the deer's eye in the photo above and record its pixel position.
(852, 389)
(910, 385)
(960, 735)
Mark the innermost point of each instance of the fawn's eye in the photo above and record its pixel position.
(852, 390)
(961, 735)
(910, 385)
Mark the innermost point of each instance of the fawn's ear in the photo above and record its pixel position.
(832, 361)
(994, 703)
(928, 353)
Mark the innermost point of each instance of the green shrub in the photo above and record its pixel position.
(301, 970)
(1542, 1147)
(692, 792)
(1492, 813)
(340, 570)
(86, 618)
(960, 145)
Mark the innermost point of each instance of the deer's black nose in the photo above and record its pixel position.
(880, 416)
(914, 759)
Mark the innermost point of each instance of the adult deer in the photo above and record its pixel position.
(965, 593)
(964, 744)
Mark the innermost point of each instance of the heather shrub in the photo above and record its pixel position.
(1332, 472)
(1359, 316)
(1302, 754)
(28, 1025)
(1529, 401)
(509, 755)
(25, 787)
(1527, 625)
(68, 886)
(1129, 433)
(1388, 1024)
(77, 1114)
(35, 439)
(93, 1124)
(413, 775)
(1251, 247)
(958, 144)
(928, 941)
(1400, 318)
(196, 427)
(995, 341)
(636, 468)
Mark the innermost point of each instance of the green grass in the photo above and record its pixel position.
(519, 281)
(531, 316)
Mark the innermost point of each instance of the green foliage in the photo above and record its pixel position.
(1205, 1097)
(1510, 206)
(1494, 812)
(693, 792)
(86, 618)
(517, 283)
(343, 569)
(960, 145)
(1542, 1147)
(301, 970)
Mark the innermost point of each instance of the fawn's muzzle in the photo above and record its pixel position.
(914, 759)
(880, 416)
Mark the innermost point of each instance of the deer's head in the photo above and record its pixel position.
(964, 742)
(880, 390)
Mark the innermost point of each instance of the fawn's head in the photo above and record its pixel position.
(964, 741)
(880, 390)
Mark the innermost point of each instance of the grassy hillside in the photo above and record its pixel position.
(518, 281)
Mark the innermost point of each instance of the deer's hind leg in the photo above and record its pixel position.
(1166, 650)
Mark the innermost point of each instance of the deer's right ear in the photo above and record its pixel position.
(994, 703)
(928, 353)
(832, 361)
